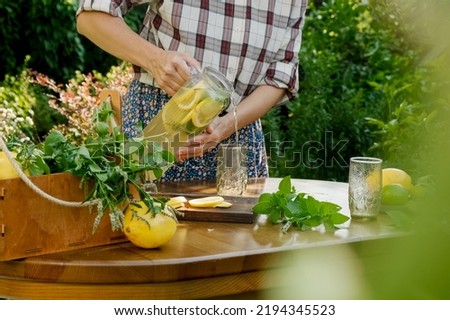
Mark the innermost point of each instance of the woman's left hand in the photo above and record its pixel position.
(207, 140)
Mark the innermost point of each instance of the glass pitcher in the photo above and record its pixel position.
(188, 112)
(191, 109)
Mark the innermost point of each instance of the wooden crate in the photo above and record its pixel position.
(31, 225)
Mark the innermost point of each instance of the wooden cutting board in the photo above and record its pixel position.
(239, 212)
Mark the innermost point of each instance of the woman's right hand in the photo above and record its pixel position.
(171, 70)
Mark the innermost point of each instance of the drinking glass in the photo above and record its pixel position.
(364, 192)
(231, 176)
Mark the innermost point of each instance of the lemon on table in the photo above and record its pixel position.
(146, 229)
(374, 180)
(394, 194)
(396, 176)
(206, 202)
(7, 171)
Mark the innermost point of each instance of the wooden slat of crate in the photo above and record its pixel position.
(31, 225)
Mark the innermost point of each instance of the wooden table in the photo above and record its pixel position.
(203, 260)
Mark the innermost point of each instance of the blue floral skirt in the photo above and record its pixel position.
(142, 102)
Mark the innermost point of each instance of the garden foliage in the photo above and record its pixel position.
(365, 86)
(354, 66)
(46, 31)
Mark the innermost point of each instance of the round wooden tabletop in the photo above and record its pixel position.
(205, 259)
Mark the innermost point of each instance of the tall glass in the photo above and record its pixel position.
(231, 175)
(364, 187)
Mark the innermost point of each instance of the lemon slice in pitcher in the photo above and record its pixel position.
(188, 98)
(187, 117)
(179, 109)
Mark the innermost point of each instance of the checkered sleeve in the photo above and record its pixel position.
(283, 71)
(117, 8)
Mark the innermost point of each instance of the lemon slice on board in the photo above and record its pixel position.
(177, 202)
(206, 202)
(224, 204)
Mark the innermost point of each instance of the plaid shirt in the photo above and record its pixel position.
(251, 42)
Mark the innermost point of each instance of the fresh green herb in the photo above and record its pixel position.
(298, 209)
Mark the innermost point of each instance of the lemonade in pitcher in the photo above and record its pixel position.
(190, 110)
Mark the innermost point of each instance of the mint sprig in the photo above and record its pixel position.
(298, 209)
(111, 167)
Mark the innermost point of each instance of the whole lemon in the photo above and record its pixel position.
(394, 194)
(396, 176)
(146, 229)
(7, 171)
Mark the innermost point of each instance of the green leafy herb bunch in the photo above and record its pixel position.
(299, 210)
(111, 167)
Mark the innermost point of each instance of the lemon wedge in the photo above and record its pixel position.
(224, 204)
(206, 202)
(177, 202)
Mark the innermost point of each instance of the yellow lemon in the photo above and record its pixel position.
(396, 176)
(146, 229)
(7, 171)
(374, 181)
(394, 194)
(206, 202)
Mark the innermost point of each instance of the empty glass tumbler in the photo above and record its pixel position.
(231, 176)
(364, 187)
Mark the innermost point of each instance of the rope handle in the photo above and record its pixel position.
(35, 188)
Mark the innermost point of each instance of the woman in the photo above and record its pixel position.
(255, 44)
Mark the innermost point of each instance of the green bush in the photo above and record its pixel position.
(416, 123)
(16, 107)
(10, 31)
(46, 31)
(347, 55)
(72, 104)
(32, 104)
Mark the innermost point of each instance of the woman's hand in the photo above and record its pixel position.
(219, 129)
(171, 69)
(113, 35)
